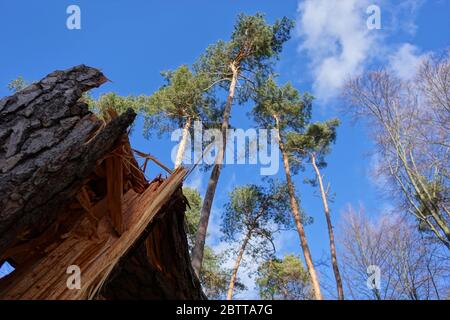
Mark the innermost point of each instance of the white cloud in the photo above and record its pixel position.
(403, 15)
(405, 61)
(336, 39)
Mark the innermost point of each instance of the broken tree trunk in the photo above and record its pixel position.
(72, 194)
(49, 143)
(148, 271)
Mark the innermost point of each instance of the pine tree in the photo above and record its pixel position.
(247, 57)
(285, 110)
(113, 101)
(252, 216)
(214, 277)
(17, 84)
(312, 146)
(283, 279)
(177, 104)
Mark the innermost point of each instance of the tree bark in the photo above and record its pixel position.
(51, 148)
(236, 266)
(49, 143)
(182, 147)
(298, 222)
(197, 251)
(334, 261)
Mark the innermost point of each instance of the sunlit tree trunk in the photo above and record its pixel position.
(334, 262)
(182, 147)
(236, 266)
(197, 251)
(298, 222)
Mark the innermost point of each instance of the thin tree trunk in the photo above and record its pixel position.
(182, 146)
(197, 251)
(433, 282)
(236, 266)
(298, 222)
(334, 262)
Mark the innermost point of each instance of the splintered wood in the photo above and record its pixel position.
(95, 230)
(78, 218)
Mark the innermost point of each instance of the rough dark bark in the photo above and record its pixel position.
(158, 266)
(49, 143)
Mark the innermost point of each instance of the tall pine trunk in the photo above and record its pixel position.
(298, 222)
(236, 266)
(197, 251)
(182, 146)
(334, 262)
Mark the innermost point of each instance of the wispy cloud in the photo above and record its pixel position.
(335, 38)
(405, 61)
(403, 15)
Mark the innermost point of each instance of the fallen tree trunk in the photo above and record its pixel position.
(72, 193)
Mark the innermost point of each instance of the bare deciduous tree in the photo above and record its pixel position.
(410, 267)
(410, 123)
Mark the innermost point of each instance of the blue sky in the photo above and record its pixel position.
(132, 41)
